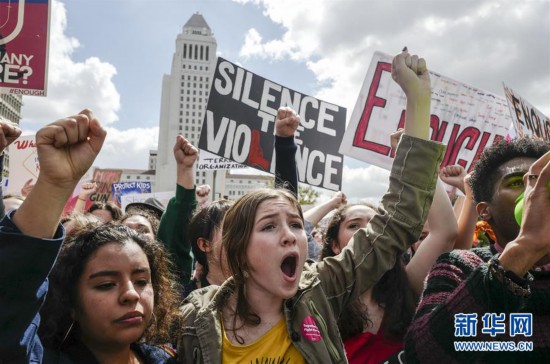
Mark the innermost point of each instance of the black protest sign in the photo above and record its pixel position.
(240, 119)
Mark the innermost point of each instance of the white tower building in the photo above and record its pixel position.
(183, 102)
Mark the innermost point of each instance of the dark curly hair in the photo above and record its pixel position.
(77, 249)
(152, 218)
(78, 222)
(392, 292)
(202, 225)
(116, 212)
(484, 176)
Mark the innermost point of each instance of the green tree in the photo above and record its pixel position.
(307, 195)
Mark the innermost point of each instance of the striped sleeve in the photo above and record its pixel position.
(459, 282)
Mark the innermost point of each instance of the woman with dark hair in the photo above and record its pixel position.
(278, 308)
(205, 233)
(343, 224)
(109, 290)
(369, 334)
(106, 211)
(186, 227)
(109, 287)
(76, 220)
(142, 221)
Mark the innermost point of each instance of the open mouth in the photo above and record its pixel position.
(288, 266)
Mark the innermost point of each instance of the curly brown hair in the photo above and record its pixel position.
(116, 212)
(76, 251)
(153, 219)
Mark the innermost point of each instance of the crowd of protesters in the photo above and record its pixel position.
(258, 280)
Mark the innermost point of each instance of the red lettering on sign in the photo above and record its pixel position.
(372, 102)
(256, 155)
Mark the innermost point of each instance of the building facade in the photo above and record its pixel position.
(184, 97)
(10, 109)
(237, 185)
(185, 94)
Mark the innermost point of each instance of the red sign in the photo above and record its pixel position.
(24, 30)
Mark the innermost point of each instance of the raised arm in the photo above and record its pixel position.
(175, 220)
(440, 239)
(411, 73)
(403, 210)
(456, 176)
(286, 173)
(30, 237)
(319, 211)
(66, 150)
(86, 190)
(441, 236)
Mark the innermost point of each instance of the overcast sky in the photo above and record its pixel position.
(110, 56)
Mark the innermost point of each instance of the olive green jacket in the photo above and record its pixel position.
(327, 287)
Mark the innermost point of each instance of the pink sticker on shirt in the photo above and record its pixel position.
(310, 330)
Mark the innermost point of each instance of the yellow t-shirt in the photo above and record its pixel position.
(273, 347)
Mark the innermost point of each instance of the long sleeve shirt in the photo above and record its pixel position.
(459, 284)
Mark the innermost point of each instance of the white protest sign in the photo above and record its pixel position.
(129, 188)
(210, 162)
(528, 120)
(465, 118)
(23, 163)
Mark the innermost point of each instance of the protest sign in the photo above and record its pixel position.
(463, 117)
(24, 28)
(104, 179)
(239, 125)
(528, 120)
(125, 188)
(23, 163)
(210, 162)
(162, 197)
(71, 202)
